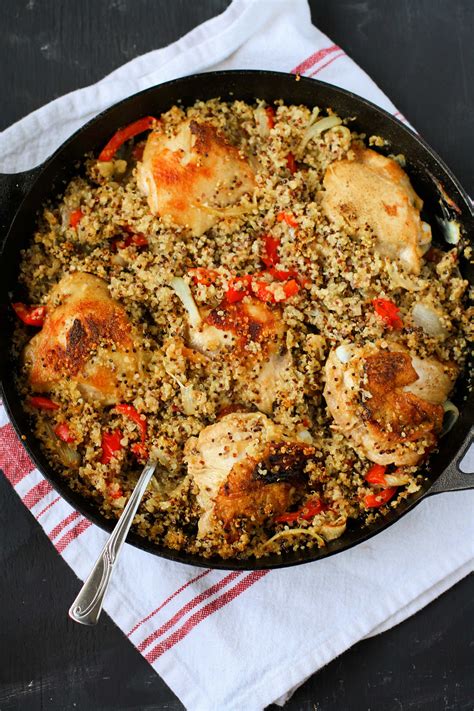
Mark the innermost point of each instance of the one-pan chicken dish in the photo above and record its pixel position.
(251, 296)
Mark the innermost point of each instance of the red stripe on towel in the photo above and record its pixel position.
(46, 508)
(313, 58)
(187, 608)
(37, 493)
(330, 61)
(14, 460)
(71, 535)
(62, 525)
(168, 599)
(203, 614)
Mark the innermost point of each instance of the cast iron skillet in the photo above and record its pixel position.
(22, 195)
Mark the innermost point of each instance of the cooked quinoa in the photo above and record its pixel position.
(317, 278)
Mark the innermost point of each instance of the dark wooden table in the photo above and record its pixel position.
(421, 53)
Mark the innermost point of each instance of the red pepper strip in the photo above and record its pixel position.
(115, 494)
(247, 284)
(284, 274)
(288, 218)
(309, 510)
(262, 292)
(376, 475)
(124, 134)
(63, 431)
(389, 312)
(138, 240)
(75, 217)
(238, 287)
(291, 288)
(232, 296)
(43, 403)
(110, 445)
(31, 315)
(271, 258)
(270, 111)
(140, 451)
(204, 276)
(374, 500)
(291, 163)
(133, 414)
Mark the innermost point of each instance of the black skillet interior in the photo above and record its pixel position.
(423, 166)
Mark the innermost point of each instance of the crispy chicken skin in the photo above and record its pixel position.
(86, 338)
(388, 402)
(374, 191)
(233, 331)
(244, 467)
(195, 166)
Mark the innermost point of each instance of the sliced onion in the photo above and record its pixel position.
(69, 457)
(343, 132)
(154, 485)
(316, 129)
(330, 531)
(451, 415)
(305, 436)
(313, 117)
(344, 353)
(425, 237)
(187, 399)
(397, 479)
(261, 119)
(65, 214)
(183, 292)
(288, 533)
(312, 120)
(429, 320)
(451, 230)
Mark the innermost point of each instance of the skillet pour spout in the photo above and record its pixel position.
(22, 195)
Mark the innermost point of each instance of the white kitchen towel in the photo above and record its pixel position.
(229, 641)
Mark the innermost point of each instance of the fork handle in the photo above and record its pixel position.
(87, 606)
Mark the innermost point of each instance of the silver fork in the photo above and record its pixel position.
(87, 606)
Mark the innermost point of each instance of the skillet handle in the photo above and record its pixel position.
(453, 479)
(13, 188)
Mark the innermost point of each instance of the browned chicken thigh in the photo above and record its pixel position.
(372, 191)
(193, 174)
(388, 402)
(86, 338)
(244, 466)
(250, 334)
